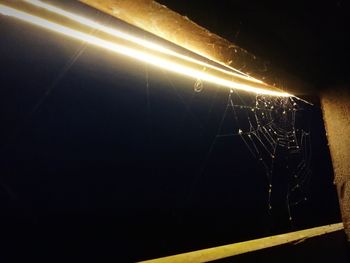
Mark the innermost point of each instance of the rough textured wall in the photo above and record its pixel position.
(163, 22)
(336, 114)
(167, 24)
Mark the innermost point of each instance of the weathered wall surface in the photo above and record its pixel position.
(336, 114)
(165, 23)
(159, 20)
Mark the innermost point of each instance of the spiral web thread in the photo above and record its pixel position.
(269, 128)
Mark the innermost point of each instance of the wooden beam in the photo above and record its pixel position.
(167, 24)
(336, 114)
(215, 253)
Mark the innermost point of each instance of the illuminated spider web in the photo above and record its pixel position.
(269, 128)
(274, 131)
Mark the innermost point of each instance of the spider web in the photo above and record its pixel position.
(270, 129)
(276, 134)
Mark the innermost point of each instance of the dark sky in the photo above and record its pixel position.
(103, 158)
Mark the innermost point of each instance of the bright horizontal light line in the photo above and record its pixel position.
(136, 40)
(133, 53)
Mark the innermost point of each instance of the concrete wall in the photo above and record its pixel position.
(336, 114)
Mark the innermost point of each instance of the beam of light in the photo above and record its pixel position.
(143, 56)
(136, 40)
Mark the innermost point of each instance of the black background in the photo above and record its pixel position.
(104, 158)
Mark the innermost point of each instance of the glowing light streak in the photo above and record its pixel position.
(135, 54)
(136, 40)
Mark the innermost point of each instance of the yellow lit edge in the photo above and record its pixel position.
(133, 53)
